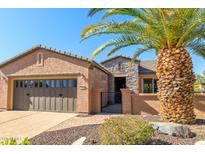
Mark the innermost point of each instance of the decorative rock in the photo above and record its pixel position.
(173, 129)
(200, 143)
(79, 141)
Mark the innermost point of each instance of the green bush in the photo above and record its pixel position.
(25, 141)
(125, 130)
(11, 141)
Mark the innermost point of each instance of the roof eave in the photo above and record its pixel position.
(55, 51)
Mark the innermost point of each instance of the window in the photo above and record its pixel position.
(17, 84)
(31, 84)
(150, 85)
(70, 83)
(58, 85)
(36, 84)
(25, 84)
(40, 59)
(52, 83)
(21, 84)
(40, 83)
(64, 83)
(47, 83)
(74, 83)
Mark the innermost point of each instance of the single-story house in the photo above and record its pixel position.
(46, 79)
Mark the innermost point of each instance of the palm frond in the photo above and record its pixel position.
(139, 52)
(94, 11)
(155, 28)
(111, 28)
(197, 47)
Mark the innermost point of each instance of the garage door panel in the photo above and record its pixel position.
(30, 99)
(46, 95)
(75, 105)
(46, 92)
(59, 97)
(36, 99)
(53, 103)
(65, 104)
(65, 98)
(31, 106)
(42, 103)
(48, 101)
(70, 105)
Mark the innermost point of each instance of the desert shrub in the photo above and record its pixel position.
(11, 141)
(125, 130)
(25, 141)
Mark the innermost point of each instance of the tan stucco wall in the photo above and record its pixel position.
(99, 83)
(53, 64)
(3, 93)
(148, 104)
(145, 104)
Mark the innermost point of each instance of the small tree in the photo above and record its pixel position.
(200, 78)
(200, 82)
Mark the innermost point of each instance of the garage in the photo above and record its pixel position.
(46, 95)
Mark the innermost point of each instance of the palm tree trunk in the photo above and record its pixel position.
(175, 85)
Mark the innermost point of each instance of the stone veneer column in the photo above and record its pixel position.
(126, 101)
(132, 77)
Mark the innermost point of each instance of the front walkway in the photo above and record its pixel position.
(113, 108)
(81, 120)
(20, 124)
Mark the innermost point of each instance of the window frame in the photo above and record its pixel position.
(153, 85)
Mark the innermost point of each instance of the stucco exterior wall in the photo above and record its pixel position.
(53, 63)
(99, 83)
(145, 104)
(148, 104)
(3, 93)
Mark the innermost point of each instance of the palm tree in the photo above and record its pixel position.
(171, 33)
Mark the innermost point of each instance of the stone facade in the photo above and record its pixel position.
(120, 67)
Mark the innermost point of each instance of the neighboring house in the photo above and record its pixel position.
(45, 79)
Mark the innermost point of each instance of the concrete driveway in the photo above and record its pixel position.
(19, 124)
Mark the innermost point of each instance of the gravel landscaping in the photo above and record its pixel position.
(69, 135)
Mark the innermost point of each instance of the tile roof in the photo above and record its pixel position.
(115, 57)
(65, 53)
(147, 66)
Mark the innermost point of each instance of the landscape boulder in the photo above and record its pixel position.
(80, 141)
(173, 129)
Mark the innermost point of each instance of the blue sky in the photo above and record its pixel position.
(21, 29)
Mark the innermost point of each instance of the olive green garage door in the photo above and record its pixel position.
(45, 95)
